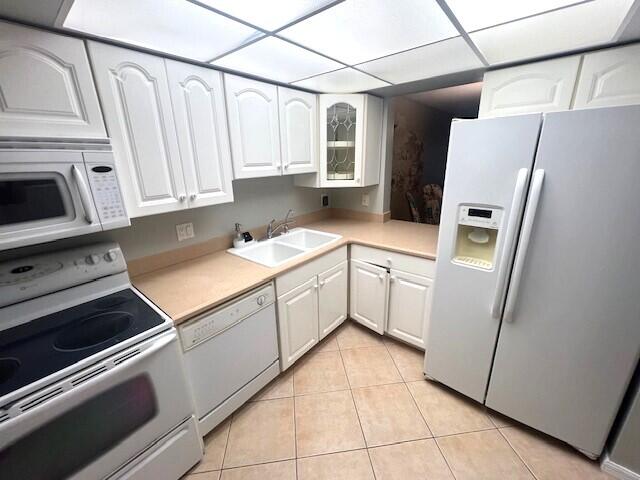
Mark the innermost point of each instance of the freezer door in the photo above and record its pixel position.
(488, 166)
(566, 354)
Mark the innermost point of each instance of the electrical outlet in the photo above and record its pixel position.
(365, 199)
(324, 200)
(185, 231)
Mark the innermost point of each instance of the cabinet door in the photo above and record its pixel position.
(332, 298)
(253, 127)
(137, 107)
(535, 87)
(609, 78)
(369, 288)
(197, 97)
(298, 321)
(409, 307)
(298, 131)
(46, 85)
(341, 140)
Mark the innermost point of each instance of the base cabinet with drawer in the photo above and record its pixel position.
(391, 293)
(312, 302)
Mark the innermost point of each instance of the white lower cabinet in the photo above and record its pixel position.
(369, 291)
(298, 319)
(395, 298)
(333, 288)
(409, 306)
(312, 302)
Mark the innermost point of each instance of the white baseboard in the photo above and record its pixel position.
(618, 471)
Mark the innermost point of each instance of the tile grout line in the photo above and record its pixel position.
(355, 407)
(226, 443)
(517, 454)
(423, 418)
(295, 425)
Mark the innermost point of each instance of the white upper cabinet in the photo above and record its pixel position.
(137, 106)
(535, 87)
(197, 96)
(298, 131)
(609, 78)
(46, 86)
(350, 142)
(253, 127)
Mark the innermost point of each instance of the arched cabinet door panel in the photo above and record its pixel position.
(535, 87)
(254, 127)
(609, 78)
(46, 88)
(137, 105)
(197, 96)
(298, 131)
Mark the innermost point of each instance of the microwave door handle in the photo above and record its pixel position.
(85, 195)
(85, 390)
(509, 241)
(525, 237)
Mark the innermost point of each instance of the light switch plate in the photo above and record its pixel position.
(365, 199)
(185, 231)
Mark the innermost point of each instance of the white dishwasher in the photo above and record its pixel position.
(230, 354)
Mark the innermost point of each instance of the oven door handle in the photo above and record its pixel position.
(83, 391)
(85, 195)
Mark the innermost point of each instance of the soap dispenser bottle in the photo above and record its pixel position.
(238, 239)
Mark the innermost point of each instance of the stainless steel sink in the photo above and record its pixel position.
(278, 250)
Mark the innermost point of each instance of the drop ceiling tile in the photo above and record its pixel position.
(441, 58)
(278, 60)
(356, 31)
(177, 27)
(346, 80)
(585, 25)
(474, 14)
(268, 14)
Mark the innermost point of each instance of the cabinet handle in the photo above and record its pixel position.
(392, 279)
(182, 197)
(286, 166)
(381, 276)
(315, 287)
(389, 261)
(357, 180)
(321, 283)
(193, 196)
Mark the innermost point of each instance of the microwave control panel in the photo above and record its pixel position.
(107, 194)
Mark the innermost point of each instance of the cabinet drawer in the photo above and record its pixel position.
(300, 275)
(399, 261)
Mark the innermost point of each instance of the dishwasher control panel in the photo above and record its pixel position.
(212, 323)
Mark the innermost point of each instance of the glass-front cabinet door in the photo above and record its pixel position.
(341, 140)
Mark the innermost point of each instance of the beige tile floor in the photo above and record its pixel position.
(357, 408)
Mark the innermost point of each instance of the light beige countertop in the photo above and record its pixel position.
(191, 287)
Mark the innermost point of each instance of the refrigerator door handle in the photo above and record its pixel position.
(510, 241)
(527, 227)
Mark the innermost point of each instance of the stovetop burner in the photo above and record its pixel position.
(49, 344)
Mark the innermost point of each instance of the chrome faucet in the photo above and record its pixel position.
(284, 225)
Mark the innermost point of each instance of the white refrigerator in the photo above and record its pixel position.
(536, 307)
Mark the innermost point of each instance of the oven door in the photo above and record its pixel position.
(93, 422)
(44, 196)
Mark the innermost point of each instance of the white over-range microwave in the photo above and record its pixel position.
(54, 191)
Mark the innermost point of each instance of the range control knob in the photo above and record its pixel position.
(261, 300)
(92, 259)
(111, 255)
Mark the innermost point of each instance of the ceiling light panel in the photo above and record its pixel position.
(278, 60)
(474, 14)
(346, 80)
(441, 58)
(268, 14)
(356, 31)
(581, 26)
(177, 27)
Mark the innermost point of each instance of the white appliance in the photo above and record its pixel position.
(536, 310)
(230, 354)
(92, 383)
(55, 190)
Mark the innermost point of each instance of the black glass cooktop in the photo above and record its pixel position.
(44, 346)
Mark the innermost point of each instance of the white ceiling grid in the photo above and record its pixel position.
(353, 45)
